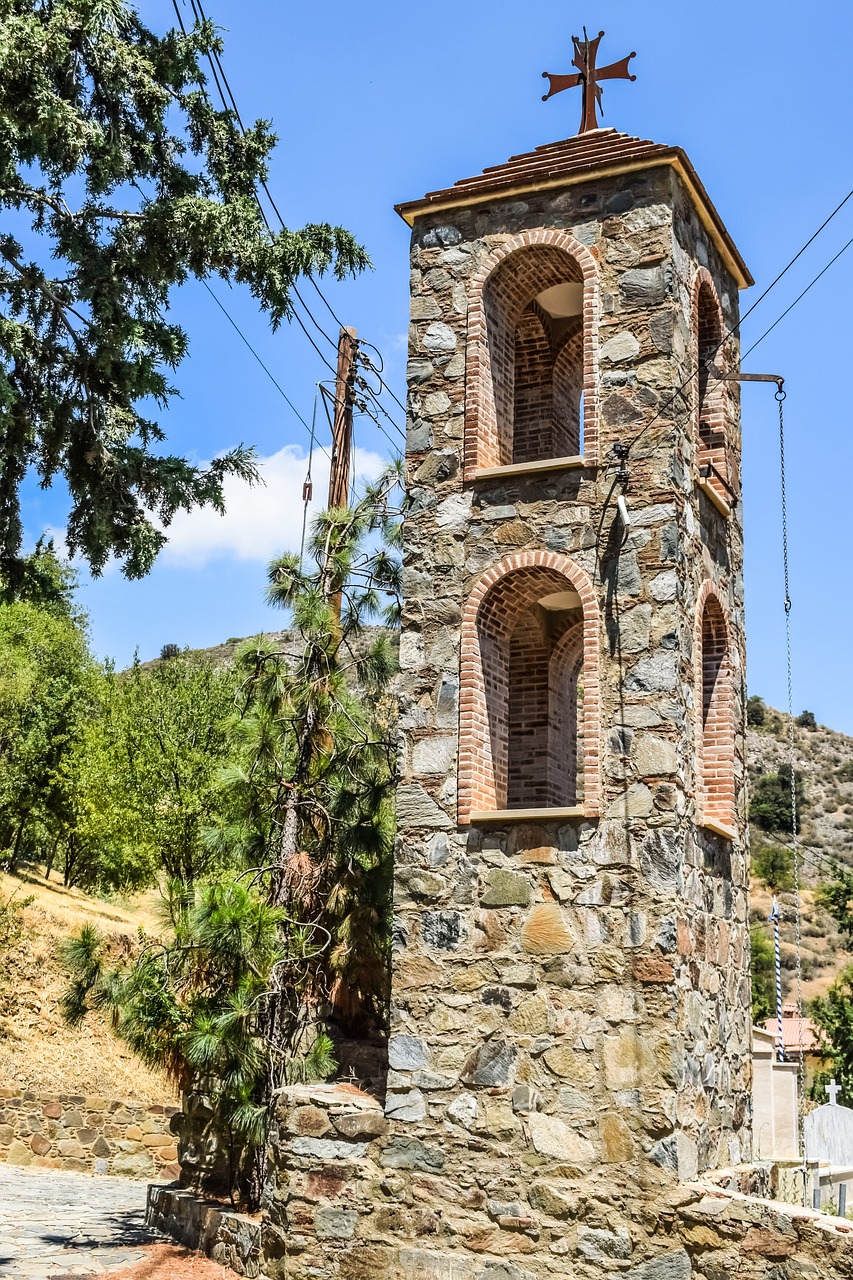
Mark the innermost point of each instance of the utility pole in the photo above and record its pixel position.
(342, 425)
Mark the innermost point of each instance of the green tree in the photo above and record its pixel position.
(313, 779)
(833, 1013)
(763, 973)
(770, 803)
(774, 864)
(119, 181)
(756, 712)
(48, 692)
(837, 897)
(168, 741)
(806, 720)
(190, 1003)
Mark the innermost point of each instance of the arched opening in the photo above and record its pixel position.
(716, 780)
(713, 445)
(533, 306)
(525, 716)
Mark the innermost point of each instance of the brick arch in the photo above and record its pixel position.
(482, 440)
(499, 599)
(713, 709)
(710, 426)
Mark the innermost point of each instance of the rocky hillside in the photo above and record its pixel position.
(824, 758)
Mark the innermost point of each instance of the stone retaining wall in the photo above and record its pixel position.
(88, 1135)
(231, 1239)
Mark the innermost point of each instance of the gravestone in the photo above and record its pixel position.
(829, 1135)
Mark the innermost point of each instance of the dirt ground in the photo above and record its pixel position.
(37, 1050)
(166, 1262)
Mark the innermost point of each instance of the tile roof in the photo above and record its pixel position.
(812, 1040)
(599, 151)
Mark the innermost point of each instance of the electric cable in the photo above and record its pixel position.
(736, 327)
(214, 58)
(272, 379)
(799, 298)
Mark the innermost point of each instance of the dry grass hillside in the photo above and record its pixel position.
(825, 760)
(37, 1050)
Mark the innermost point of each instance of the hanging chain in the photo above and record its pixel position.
(780, 399)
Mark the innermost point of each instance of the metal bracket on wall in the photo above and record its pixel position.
(745, 377)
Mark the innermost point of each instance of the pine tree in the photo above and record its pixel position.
(312, 786)
(118, 181)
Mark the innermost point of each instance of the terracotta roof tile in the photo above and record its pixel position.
(573, 159)
(588, 151)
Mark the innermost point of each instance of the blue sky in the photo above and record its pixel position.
(380, 102)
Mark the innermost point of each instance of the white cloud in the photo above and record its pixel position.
(263, 521)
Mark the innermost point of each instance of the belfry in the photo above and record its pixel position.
(572, 940)
(569, 1062)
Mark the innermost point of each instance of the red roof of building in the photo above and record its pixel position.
(561, 163)
(812, 1038)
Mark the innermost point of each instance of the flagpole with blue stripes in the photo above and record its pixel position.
(774, 916)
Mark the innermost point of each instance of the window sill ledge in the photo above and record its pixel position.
(527, 815)
(713, 497)
(533, 468)
(719, 829)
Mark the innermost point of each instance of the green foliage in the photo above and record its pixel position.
(118, 182)
(167, 741)
(193, 1002)
(845, 772)
(312, 781)
(756, 712)
(48, 694)
(837, 897)
(169, 651)
(834, 1015)
(770, 803)
(774, 864)
(763, 972)
(806, 720)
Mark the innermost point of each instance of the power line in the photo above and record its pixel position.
(799, 298)
(736, 327)
(271, 377)
(216, 65)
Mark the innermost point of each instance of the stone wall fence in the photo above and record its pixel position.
(88, 1135)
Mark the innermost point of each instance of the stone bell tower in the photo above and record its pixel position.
(571, 966)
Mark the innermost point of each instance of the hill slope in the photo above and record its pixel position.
(37, 1050)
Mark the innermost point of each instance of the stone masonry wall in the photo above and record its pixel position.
(352, 1197)
(87, 1135)
(575, 987)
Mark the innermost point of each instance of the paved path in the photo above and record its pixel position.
(68, 1224)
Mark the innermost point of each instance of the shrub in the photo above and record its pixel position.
(774, 864)
(756, 712)
(770, 805)
(806, 720)
(763, 974)
(169, 651)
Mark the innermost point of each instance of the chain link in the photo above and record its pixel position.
(780, 399)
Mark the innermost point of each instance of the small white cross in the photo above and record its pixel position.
(833, 1090)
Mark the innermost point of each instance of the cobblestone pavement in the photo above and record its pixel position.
(69, 1224)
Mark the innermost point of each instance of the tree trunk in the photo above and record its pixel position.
(16, 848)
(51, 859)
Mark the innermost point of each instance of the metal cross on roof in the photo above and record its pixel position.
(588, 76)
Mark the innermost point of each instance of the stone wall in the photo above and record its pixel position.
(352, 1197)
(575, 984)
(208, 1226)
(88, 1135)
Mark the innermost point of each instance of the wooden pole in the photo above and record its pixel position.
(342, 425)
